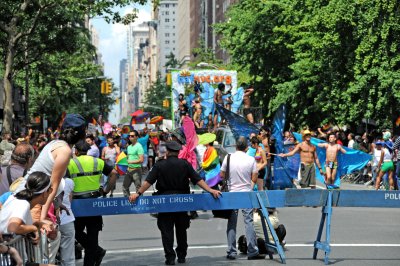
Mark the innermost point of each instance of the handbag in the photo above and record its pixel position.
(224, 214)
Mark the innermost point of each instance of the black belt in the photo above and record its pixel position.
(93, 194)
(172, 192)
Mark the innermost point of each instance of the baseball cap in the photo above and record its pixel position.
(74, 121)
(306, 132)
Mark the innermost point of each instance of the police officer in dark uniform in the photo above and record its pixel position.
(86, 172)
(172, 176)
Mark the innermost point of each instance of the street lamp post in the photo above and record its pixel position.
(97, 77)
(100, 100)
(204, 64)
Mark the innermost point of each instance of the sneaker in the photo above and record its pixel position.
(231, 257)
(170, 262)
(101, 254)
(256, 257)
(181, 260)
(193, 215)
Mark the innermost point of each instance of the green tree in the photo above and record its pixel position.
(172, 62)
(154, 97)
(23, 24)
(202, 53)
(327, 60)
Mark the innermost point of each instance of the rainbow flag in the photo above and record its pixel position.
(211, 166)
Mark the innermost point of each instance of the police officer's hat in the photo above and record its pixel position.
(74, 121)
(173, 145)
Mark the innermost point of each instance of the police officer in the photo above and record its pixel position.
(172, 176)
(86, 172)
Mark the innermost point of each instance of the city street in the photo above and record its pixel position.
(359, 236)
(306, 89)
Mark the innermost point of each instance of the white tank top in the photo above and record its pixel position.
(377, 156)
(388, 156)
(44, 162)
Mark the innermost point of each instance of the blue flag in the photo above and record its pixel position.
(278, 126)
(349, 162)
(238, 124)
(283, 167)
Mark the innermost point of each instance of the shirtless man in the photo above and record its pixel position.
(218, 100)
(247, 104)
(308, 155)
(331, 163)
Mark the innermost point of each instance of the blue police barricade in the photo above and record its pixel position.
(239, 200)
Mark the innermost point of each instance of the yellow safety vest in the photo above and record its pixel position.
(86, 172)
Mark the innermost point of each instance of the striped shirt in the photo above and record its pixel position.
(397, 147)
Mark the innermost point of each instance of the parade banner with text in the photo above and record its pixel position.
(200, 83)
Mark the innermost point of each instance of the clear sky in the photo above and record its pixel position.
(113, 45)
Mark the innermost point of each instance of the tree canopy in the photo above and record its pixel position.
(332, 60)
(50, 37)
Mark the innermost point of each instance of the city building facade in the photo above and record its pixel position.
(137, 44)
(167, 32)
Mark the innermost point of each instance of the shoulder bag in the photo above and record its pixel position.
(224, 214)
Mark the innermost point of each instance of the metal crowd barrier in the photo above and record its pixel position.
(26, 249)
(327, 199)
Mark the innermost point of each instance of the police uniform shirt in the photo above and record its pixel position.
(172, 176)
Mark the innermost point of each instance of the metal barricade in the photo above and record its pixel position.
(26, 249)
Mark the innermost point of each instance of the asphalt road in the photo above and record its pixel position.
(359, 236)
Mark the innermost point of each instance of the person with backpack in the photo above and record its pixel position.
(6, 148)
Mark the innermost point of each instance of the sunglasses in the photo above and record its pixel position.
(132, 136)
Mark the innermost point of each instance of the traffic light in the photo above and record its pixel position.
(165, 103)
(168, 77)
(103, 87)
(108, 87)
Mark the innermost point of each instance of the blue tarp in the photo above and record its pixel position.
(349, 162)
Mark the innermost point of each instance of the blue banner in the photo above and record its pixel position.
(349, 162)
(283, 174)
(238, 124)
(235, 200)
(278, 127)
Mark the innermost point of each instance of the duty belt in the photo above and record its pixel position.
(92, 194)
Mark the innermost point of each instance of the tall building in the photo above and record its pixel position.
(153, 45)
(123, 82)
(196, 18)
(218, 10)
(184, 52)
(167, 32)
(137, 38)
(94, 39)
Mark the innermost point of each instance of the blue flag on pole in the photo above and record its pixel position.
(349, 162)
(278, 126)
(283, 167)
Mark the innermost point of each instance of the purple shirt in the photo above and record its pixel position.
(94, 151)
